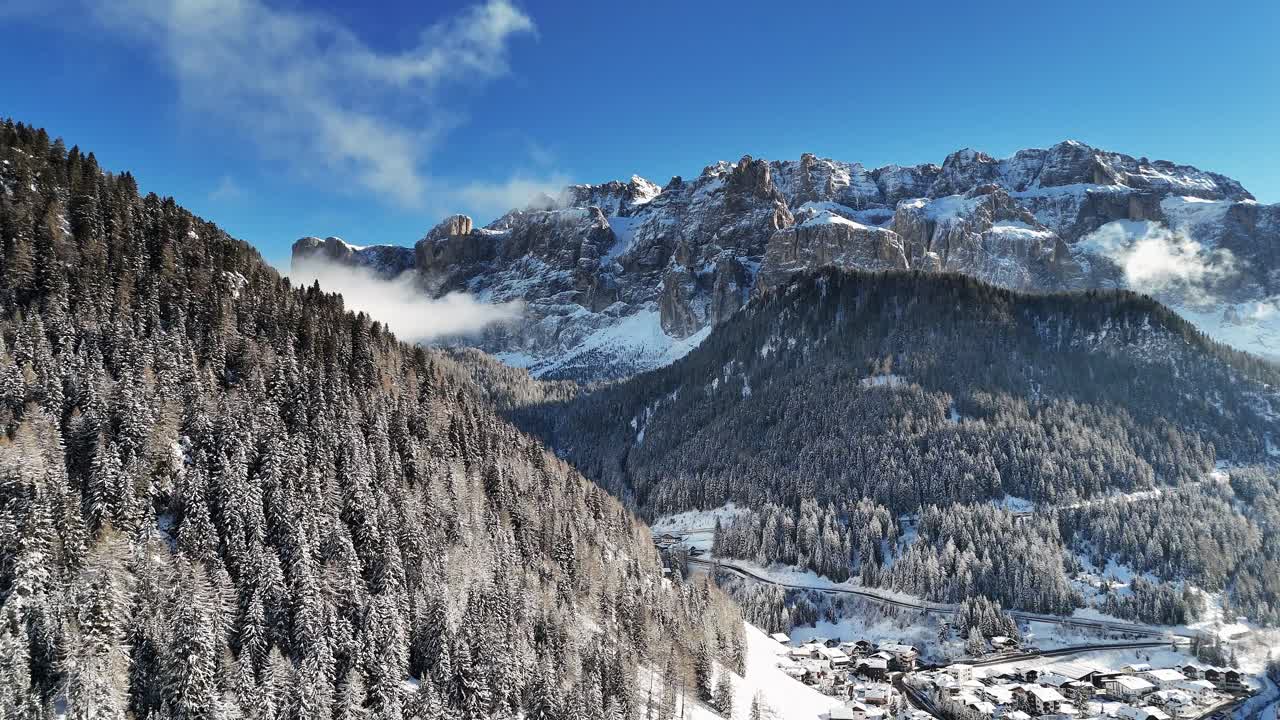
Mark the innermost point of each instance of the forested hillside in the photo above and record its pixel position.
(222, 496)
(842, 401)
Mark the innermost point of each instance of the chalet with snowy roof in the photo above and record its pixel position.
(1193, 671)
(1001, 642)
(1199, 690)
(999, 694)
(807, 651)
(1176, 703)
(873, 668)
(1128, 687)
(666, 540)
(835, 657)
(1039, 699)
(1148, 712)
(780, 638)
(1163, 678)
(1078, 691)
(904, 657)
(877, 695)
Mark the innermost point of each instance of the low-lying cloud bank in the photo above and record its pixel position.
(401, 305)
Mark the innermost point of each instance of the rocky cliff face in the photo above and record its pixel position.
(626, 276)
(385, 260)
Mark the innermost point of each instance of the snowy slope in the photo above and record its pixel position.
(782, 696)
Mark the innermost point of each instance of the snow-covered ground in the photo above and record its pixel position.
(918, 630)
(1104, 660)
(781, 696)
(637, 340)
(697, 526)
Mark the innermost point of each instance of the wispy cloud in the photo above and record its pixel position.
(1157, 260)
(226, 190)
(401, 305)
(493, 198)
(308, 90)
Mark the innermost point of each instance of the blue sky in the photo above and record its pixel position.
(282, 118)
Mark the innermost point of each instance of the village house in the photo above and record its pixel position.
(1078, 691)
(1000, 695)
(1001, 642)
(1128, 687)
(666, 541)
(1232, 681)
(877, 695)
(781, 638)
(872, 668)
(1199, 690)
(1164, 678)
(1040, 699)
(807, 651)
(835, 657)
(1148, 712)
(1176, 702)
(904, 657)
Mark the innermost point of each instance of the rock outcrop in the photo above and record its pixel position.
(829, 240)
(386, 261)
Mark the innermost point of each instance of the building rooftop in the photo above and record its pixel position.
(1131, 682)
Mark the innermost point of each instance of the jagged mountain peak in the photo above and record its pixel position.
(623, 276)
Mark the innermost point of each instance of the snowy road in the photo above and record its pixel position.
(895, 600)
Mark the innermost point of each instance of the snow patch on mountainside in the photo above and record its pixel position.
(1251, 326)
(624, 229)
(636, 341)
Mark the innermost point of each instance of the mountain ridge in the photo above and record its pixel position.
(621, 277)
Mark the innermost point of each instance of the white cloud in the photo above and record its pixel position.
(1157, 260)
(494, 198)
(401, 305)
(307, 90)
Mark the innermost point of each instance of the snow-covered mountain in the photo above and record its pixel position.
(623, 277)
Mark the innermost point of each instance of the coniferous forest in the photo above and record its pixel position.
(834, 406)
(222, 496)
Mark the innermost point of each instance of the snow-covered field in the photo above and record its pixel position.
(781, 696)
(1103, 660)
(697, 526)
(916, 629)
